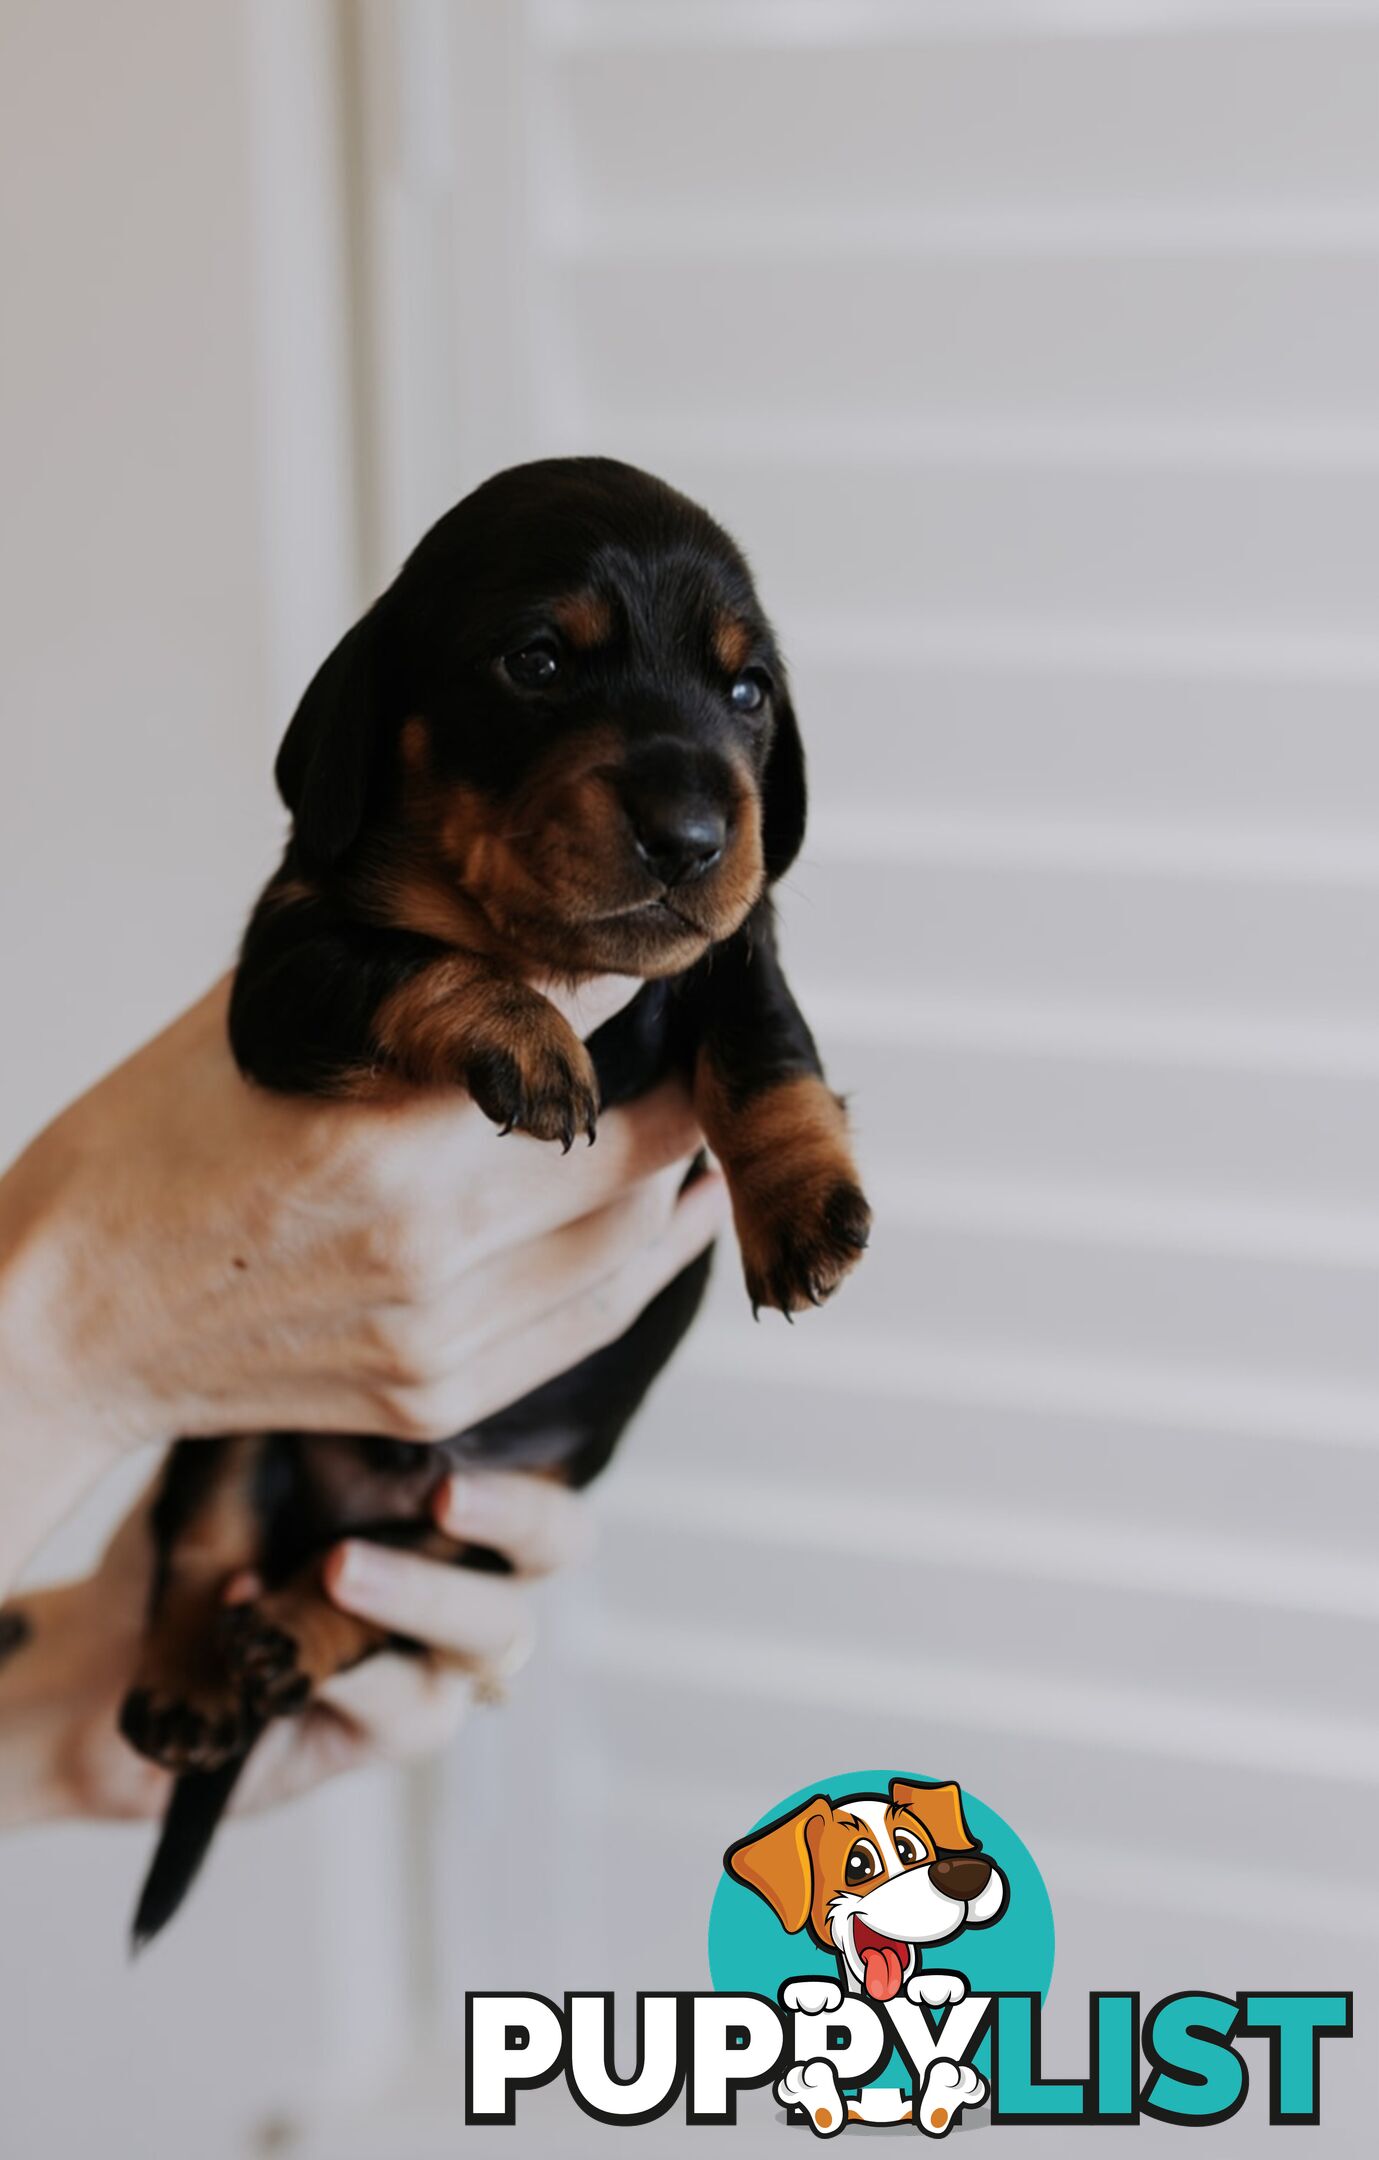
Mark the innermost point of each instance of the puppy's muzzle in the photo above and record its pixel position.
(961, 1877)
(679, 806)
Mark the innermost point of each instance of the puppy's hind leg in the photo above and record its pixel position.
(285, 1645)
(185, 1709)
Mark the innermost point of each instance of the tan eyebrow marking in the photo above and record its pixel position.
(585, 617)
(732, 642)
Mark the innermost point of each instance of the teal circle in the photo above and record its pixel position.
(750, 1952)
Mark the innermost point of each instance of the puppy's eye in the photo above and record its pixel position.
(906, 1850)
(748, 693)
(532, 667)
(863, 1862)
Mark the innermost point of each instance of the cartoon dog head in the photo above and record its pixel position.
(874, 1877)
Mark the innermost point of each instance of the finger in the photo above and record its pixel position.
(537, 1525)
(535, 1187)
(511, 1366)
(296, 1754)
(463, 1191)
(403, 1706)
(526, 1280)
(481, 1619)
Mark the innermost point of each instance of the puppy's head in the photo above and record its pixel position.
(566, 724)
(874, 1877)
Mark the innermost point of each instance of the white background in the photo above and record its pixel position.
(1033, 351)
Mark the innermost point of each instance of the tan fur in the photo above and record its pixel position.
(291, 1641)
(555, 885)
(788, 1162)
(586, 619)
(732, 643)
(445, 1024)
(179, 1660)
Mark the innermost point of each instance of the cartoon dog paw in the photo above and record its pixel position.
(948, 2089)
(813, 2087)
(814, 1997)
(936, 1988)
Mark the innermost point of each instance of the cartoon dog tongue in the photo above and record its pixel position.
(883, 1963)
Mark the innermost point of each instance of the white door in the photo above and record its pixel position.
(1032, 353)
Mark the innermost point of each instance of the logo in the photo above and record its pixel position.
(912, 1903)
(880, 1948)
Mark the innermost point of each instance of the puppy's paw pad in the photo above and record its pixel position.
(813, 2087)
(181, 1734)
(948, 2089)
(799, 1258)
(267, 1659)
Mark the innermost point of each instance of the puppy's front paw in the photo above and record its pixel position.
(798, 1258)
(460, 1022)
(802, 1218)
(537, 1079)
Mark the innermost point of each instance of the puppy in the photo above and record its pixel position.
(876, 1879)
(561, 744)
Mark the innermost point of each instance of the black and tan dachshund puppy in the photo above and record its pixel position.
(560, 745)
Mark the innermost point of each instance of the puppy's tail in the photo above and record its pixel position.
(199, 1799)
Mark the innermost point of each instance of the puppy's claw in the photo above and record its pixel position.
(802, 1253)
(541, 1083)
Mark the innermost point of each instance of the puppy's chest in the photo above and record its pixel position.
(648, 1039)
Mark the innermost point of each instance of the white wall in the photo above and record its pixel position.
(147, 631)
(1031, 351)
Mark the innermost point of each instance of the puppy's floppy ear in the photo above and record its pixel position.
(327, 756)
(777, 1863)
(939, 1808)
(783, 792)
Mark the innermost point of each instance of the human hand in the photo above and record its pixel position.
(61, 1755)
(182, 1253)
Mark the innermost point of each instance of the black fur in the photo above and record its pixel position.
(318, 962)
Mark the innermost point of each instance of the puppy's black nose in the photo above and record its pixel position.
(963, 1877)
(678, 843)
